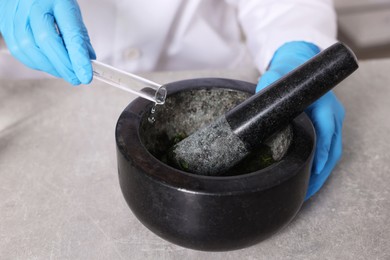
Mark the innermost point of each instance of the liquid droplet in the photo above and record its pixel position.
(151, 117)
(153, 110)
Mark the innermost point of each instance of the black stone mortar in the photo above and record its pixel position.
(252, 201)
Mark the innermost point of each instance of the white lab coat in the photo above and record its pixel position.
(138, 35)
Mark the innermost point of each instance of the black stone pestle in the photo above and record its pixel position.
(217, 147)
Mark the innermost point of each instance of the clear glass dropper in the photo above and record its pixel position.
(129, 82)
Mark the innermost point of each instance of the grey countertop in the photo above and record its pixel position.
(60, 196)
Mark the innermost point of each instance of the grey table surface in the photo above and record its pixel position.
(60, 196)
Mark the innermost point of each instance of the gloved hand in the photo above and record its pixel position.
(48, 35)
(327, 113)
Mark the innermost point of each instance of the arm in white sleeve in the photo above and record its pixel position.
(268, 24)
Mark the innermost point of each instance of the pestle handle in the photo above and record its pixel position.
(275, 106)
(214, 149)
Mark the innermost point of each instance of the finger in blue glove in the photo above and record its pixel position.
(327, 115)
(48, 35)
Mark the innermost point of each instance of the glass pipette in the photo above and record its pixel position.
(129, 82)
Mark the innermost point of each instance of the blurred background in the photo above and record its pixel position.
(364, 25)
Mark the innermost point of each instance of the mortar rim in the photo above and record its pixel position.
(200, 184)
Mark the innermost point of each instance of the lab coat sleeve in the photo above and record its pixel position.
(268, 24)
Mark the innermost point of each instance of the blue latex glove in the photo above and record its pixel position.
(327, 113)
(48, 35)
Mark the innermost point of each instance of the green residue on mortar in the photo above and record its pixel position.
(256, 160)
(183, 165)
(178, 137)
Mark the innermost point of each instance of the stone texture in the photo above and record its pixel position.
(210, 150)
(60, 197)
(261, 115)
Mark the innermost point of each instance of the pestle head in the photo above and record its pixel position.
(219, 146)
(209, 150)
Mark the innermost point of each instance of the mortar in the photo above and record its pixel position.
(212, 213)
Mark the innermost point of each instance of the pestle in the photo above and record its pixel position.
(214, 149)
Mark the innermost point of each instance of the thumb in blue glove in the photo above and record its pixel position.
(327, 113)
(48, 35)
